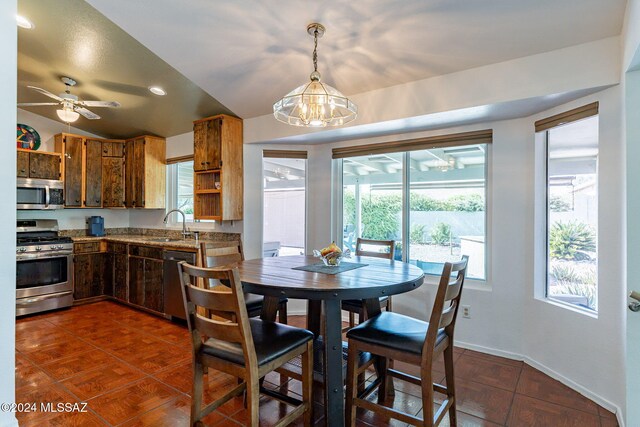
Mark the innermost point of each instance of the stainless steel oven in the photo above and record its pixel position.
(40, 193)
(44, 275)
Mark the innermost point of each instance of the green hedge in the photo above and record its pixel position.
(381, 213)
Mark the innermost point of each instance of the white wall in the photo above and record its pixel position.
(631, 36)
(67, 218)
(8, 85)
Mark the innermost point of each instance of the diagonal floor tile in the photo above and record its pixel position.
(530, 412)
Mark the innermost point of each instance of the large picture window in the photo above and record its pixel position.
(432, 202)
(572, 213)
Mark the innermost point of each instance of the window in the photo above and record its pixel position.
(431, 202)
(572, 213)
(180, 190)
(447, 208)
(284, 215)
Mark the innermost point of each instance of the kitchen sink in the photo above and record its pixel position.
(165, 239)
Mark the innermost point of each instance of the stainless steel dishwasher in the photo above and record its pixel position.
(173, 305)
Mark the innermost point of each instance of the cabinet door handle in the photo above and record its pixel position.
(33, 171)
(98, 201)
(202, 163)
(77, 200)
(22, 170)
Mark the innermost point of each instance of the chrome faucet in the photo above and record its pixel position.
(185, 233)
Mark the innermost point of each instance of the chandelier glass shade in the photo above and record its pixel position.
(315, 104)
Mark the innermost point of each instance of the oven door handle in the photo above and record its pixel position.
(23, 302)
(31, 257)
(47, 196)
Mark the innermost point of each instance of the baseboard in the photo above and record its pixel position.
(550, 372)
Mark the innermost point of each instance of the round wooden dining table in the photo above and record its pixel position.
(277, 277)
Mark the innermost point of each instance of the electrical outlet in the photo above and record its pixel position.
(466, 311)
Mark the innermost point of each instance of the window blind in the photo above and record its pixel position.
(284, 154)
(440, 141)
(567, 117)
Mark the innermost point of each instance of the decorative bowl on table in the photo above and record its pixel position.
(332, 255)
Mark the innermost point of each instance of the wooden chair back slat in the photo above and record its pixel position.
(211, 256)
(221, 330)
(219, 298)
(447, 316)
(454, 288)
(388, 244)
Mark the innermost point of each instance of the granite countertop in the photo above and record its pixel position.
(150, 240)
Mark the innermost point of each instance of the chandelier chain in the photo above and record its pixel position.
(315, 50)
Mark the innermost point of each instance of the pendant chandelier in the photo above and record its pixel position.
(315, 104)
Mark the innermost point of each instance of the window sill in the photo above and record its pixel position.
(570, 307)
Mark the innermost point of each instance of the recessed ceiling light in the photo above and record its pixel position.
(24, 22)
(157, 90)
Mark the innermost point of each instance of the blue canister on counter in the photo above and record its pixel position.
(95, 226)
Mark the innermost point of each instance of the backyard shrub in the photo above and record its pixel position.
(440, 233)
(416, 235)
(559, 204)
(571, 240)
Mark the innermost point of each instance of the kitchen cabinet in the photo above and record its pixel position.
(145, 177)
(217, 163)
(91, 275)
(80, 177)
(113, 174)
(93, 173)
(118, 269)
(38, 165)
(146, 277)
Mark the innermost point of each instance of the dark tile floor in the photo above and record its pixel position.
(134, 369)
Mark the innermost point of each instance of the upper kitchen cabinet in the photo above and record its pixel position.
(38, 165)
(81, 170)
(72, 149)
(217, 163)
(145, 177)
(113, 174)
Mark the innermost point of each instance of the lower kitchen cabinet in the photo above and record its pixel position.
(146, 283)
(120, 273)
(90, 273)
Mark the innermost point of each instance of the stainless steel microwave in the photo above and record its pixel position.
(40, 194)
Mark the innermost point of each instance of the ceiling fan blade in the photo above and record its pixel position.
(112, 104)
(45, 92)
(88, 114)
(36, 104)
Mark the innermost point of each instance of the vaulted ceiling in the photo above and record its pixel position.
(240, 56)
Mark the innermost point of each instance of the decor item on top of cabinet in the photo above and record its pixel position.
(145, 172)
(27, 137)
(315, 104)
(217, 163)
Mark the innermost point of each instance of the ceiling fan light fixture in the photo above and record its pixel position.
(157, 90)
(67, 115)
(24, 22)
(315, 104)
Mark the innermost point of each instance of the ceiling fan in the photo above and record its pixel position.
(72, 107)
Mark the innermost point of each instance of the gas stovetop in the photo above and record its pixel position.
(40, 236)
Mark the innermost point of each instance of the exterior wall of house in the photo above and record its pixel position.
(8, 86)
